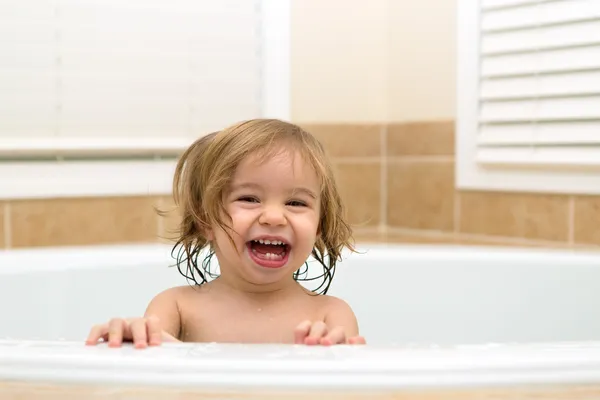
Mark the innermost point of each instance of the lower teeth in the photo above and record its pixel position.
(269, 256)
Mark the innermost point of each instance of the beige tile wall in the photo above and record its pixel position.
(3, 225)
(21, 390)
(81, 221)
(417, 200)
(398, 182)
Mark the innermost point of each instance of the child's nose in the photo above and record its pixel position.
(272, 215)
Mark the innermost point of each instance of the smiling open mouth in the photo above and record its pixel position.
(269, 253)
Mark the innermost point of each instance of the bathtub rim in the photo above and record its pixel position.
(462, 367)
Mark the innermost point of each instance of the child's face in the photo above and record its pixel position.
(275, 211)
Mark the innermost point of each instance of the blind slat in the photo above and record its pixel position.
(575, 109)
(573, 35)
(575, 84)
(21, 82)
(27, 11)
(558, 61)
(546, 13)
(540, 134)
(583, 157)
(485, 4)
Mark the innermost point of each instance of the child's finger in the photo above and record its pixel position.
(154, 331)
(301, 332)
(97, 332)
(138, 333)
(336, 336)
(116, 326)
(357, 340)
(317, 331)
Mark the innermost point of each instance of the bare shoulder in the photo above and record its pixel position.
(334, 304)
(179, 295)
(168, 305)
(339, 313)
(172, 295)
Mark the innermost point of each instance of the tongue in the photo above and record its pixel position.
(267, 248)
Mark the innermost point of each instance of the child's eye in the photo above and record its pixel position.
(296, 203)
(249, 199)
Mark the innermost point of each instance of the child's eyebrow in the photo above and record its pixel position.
(306, 191)
(250, 185)
(246, 185)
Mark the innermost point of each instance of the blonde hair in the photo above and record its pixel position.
(204, 172)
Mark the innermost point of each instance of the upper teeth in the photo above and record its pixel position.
(276, 242)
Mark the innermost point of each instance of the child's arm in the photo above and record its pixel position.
(338, 327)
(161, 323)
(165, 308)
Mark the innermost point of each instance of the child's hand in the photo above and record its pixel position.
(313, 333)
(142, 332)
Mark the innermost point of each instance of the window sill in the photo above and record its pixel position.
(52, 179)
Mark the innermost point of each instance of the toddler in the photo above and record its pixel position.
(261, 197)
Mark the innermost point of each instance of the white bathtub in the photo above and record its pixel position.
(401, 294)
(435, 317)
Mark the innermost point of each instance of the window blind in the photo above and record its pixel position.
(83, 77)
(539, 82)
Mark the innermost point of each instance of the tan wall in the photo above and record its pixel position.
(398, 180)
(339, 60)
(421, 60)
(83, 221)
(377, 61)
(398, 175)
(375, 82)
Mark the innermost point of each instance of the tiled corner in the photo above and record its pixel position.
(531, 216)
(421, 139)
(417, 238)
(587, 220)
(359, 185)
(421, 195)
(437, 238)
(83, 221)
(2, 233)
(351, 140)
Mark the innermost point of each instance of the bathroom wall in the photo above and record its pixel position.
(375, 82)
(396, 160)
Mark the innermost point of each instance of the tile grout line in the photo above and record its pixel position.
(355, 160)
(571, 221)
(160, 220)
(392, 159)
(383, 181)
(475, 236)
(456, 211)
(482, 238)
(366, 230)
(374, 231)
(7, 226)
(424, 159)
(421, 232)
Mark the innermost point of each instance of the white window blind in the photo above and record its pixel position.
(529, 85)
(111, 77)
(98, 97)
